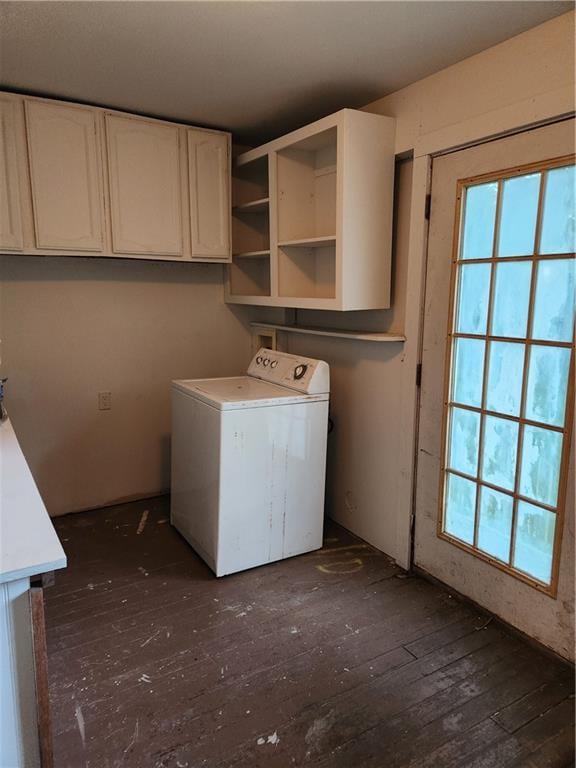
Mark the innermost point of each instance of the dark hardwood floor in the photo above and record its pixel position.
(334, 659)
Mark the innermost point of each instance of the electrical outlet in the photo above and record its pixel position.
(104, 401)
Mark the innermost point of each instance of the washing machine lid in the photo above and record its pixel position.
(238, 392)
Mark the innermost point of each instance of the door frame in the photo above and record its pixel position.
(523, 116)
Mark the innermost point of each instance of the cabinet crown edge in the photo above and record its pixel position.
(335, 120)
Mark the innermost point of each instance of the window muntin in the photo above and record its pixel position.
(511, 334)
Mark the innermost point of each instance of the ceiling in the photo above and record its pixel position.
(256, 68)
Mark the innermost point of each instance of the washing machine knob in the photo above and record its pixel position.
(266, 361)
(274, 363)
(258, 360)
(300, 370)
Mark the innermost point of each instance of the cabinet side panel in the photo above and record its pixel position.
(366, 210)
(11, 236)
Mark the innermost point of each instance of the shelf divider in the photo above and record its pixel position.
(339, 333)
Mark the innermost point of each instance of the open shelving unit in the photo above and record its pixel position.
(250, 277)
(305, 272)
(306, 191)
(312, 217)
(250, 273)
(250, 182)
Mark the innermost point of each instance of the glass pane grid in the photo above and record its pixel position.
(519, 419)
(510, 351)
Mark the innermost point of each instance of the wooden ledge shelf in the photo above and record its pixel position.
(311, 242)
(252, 255)
(339, 333)
(254, 206)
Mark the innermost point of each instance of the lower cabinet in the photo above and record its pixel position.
(25, 728)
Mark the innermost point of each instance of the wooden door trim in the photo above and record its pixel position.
(41, 676)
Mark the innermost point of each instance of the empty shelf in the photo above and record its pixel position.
(374, 336)
(251, 255)
(255, 206)
(311, 242)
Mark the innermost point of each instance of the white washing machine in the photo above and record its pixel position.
(249, 461)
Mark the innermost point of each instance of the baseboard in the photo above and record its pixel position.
(117, 502)
(417, 571)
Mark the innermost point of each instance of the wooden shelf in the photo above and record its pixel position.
(321, 200)
(312, 242)
(254, 206)
(339, 333)
(251, 255)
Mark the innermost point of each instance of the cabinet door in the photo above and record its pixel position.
(65, 174)
(10, 212)
(145, 186)
(209, 173)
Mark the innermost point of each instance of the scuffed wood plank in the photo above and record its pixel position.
(534, 704)
(155, 663)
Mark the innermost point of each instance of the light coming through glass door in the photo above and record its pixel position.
(510, 369)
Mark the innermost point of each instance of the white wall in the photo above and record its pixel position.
(72, 327)
(529, 74)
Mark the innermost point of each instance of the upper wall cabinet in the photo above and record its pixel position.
(209, 179)
(65, 174)
(96, 182)
(11, 128)
(312, 217)
(145, 186)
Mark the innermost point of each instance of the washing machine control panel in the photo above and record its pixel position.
(303, 374)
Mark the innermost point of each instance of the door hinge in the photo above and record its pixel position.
(427, 207)
(419, 374)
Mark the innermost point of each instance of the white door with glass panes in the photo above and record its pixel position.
(495, 476)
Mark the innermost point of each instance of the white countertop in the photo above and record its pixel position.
(28, 542)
